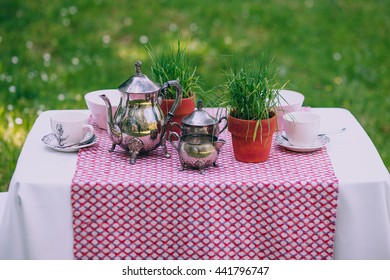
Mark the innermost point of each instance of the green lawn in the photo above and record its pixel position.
(53, 52)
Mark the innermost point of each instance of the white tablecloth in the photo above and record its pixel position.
(37, 220)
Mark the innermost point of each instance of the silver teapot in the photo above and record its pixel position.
(139, 125)
(197, 151)
(200, 122)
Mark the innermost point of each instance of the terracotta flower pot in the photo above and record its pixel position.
(244, 148)
(186, 107)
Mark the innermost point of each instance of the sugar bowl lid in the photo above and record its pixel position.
(138, 83)
(199, 117)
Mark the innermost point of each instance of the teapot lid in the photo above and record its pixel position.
(138, 83)
(199, 117)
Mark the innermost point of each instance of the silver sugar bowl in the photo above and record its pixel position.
(197, 151)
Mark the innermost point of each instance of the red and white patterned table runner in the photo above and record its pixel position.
(284, 208)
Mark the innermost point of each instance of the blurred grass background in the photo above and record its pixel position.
(53, 52)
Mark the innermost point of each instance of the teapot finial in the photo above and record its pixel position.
(200, 105)
(138, 64)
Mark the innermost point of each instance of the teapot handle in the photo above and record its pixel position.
(220, 120)
(179, 94)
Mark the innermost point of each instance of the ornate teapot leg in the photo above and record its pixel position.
(183, 165)
(112, 148)
(163, 143)
(135, 146)
(200, 164)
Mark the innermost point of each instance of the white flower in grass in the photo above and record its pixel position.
(61, 97)
(12, 89)
(14, 60)
(44, 77)
(41, 108)
(10, 107)
(47, 57)
(72, 10)
(128, 21)
(309, 3)
(64, 12)
(10, 123)
(18, 121)
(338, 80)
(29, 45)
(337, 56)
(106, 39)
(75, 61)
(143, 39)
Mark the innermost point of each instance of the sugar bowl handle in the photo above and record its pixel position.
(172, 125)
(170, 138)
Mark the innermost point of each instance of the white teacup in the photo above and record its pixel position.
(71, 127)
(302, 128)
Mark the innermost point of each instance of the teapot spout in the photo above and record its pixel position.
(218, 144)
(108, 107)
(113, 130)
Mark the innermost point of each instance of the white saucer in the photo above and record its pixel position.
(319, 143)
(51, 141)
